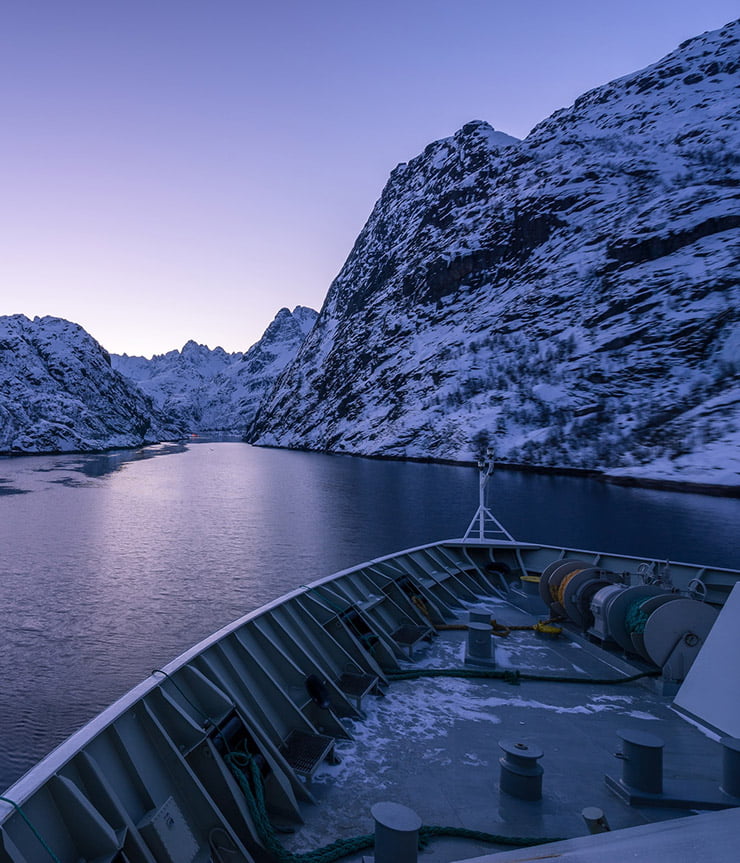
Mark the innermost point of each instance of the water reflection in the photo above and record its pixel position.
(102, 464)
(5, 488)
(29, 469)
(120, 561)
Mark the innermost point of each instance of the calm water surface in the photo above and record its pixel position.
(113, 564)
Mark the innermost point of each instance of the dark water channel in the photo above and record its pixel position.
(111, 565)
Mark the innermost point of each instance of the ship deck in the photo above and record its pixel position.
(432, 744)
(157, 766)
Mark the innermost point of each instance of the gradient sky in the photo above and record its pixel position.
(173, 169)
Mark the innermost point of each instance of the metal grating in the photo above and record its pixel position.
(357, 686)
(305, 751)
(408, 635)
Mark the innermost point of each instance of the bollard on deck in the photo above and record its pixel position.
(595, 820)
(642, 761)
(396, 833)
(521, 775)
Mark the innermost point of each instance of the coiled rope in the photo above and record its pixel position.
(636, 618)
(559, 593)
(247, 773)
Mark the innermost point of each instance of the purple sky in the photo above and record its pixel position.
(174, 169)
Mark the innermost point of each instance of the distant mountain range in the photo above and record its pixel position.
(572, 299)
(211, 390)
(60, 391)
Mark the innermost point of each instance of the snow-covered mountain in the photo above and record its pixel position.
(211, 390)
(58, 393)
(573, 297)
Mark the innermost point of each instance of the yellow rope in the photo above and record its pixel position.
(564, 583)
(502, 630)
(547, 628)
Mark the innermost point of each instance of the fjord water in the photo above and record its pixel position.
(113, 564)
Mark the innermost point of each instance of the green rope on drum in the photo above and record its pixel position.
(636, 618)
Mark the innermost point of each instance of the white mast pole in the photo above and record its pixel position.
(478, 524)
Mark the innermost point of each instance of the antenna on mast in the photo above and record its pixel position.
(485, 526)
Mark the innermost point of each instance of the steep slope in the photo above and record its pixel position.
(58, 393)
(573, 296)
(213, 390)
(249, 381)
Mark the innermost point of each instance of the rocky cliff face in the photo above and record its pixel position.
(58, 393)
(573, 296)
(211, 390)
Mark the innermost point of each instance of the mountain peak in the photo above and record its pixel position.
(483, 131)
(211, 390)
(572, 295)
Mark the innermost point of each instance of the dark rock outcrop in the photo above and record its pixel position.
(573, 296)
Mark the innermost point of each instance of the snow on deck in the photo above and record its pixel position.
(432, 744)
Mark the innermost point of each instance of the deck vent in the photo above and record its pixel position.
(167, 834)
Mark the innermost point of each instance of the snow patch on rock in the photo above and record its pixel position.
(59, 393)
(572, 298)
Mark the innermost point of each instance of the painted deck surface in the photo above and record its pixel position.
(432, 744)
(711, 839)
(157, 758)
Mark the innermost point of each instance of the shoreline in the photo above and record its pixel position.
(654, 483)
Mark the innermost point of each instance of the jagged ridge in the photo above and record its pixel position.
(212, 390)
(573, 295)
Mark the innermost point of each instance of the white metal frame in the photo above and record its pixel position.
(484, 525)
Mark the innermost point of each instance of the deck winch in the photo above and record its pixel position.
(649, 619)
(674, 635)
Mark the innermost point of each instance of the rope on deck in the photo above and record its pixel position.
(513, 676)
(33, 830)
(247, 773)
